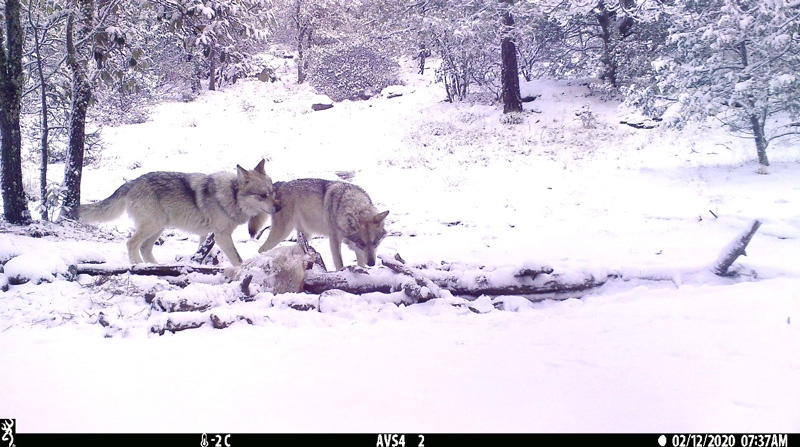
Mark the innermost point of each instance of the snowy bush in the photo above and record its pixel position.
(512, 118)
(587, 118)
(349, 70)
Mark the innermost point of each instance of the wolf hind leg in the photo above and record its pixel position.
(142, 234)
(280, 229)
(147, 247)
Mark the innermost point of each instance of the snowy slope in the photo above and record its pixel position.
(693, 352)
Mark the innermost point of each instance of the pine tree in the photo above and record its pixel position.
(737, 61)
(512, 101)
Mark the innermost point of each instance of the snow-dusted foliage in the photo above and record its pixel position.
(351, 70)
(539, 38)
(466, 35)
(613, 40)
(737, 62)
(218, 30)
(304, 24)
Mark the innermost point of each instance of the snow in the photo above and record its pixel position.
(665, 347)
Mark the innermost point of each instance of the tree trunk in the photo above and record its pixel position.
(15, 207)
(45, 128)
(301, 72)
(605, 20)
(212, 70)
(302, 29)
(511, 96)
(761, 139)
(81, 94)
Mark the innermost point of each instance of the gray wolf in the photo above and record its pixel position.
(197, 203)
(341, 211)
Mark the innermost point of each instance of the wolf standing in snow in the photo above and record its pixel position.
(339, 210)
(197, 203)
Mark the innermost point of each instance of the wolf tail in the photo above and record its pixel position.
(106, 209)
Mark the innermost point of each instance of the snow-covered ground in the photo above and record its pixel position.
(692, 352)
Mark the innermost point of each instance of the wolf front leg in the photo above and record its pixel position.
(225, 241)
(361, 258)
(336, 252)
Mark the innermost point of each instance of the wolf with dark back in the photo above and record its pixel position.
(341, 211)
(197, 203)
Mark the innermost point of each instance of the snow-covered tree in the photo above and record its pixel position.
(44, 31)
(737, 61)
(539, 38)
(15, 207)
(300, 22)
(614, 40)
(351, 70)
(508, 54)
(219, 30)
(466, 35)
(79, 32)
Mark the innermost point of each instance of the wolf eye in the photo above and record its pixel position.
(263, 196)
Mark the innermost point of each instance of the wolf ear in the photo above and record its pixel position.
(241, 174)
(380, 216)
(260, 167)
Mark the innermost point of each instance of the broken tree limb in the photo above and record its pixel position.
(735, 249)
(418, 287)
(203, 250)
(316, 258)
(641, 125)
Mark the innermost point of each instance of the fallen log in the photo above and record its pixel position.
(146, 269)
(494, 283)
(353, 280)
(426, 283)
(421, 284)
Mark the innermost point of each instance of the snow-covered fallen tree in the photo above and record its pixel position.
(194, 295)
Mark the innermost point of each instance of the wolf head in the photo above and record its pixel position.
(364, 232)
(256, 191)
